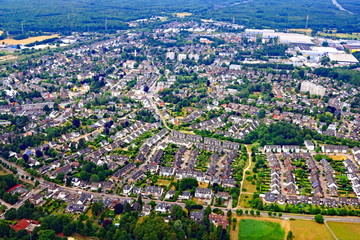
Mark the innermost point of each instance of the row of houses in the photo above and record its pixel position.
(314, 178)
(352, 174)
(209, 144)
(331, 185)
(279, 148)
(303, 199)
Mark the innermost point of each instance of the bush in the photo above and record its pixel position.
(319, 218)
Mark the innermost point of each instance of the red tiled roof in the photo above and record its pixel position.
(14, 187)
(23, 224)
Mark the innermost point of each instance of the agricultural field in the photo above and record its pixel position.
(345, 231)
(253, 229)
(29, 40)
(355, 36)
(300, 229)
(306, 31)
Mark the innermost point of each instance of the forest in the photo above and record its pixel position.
(100, 225)
(78, 15)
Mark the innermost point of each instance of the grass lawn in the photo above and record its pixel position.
(163, 182)
(309, 230)
(3, 171)
(250, 188)
(345, 231)
(253, 229)
(244, 202)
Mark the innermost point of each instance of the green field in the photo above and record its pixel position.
(345, 231)
(300, 229)
(254, 229)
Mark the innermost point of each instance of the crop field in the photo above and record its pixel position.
(28, 40)
(301, 230)
(307, 31)
(345, 231)
(341, 35)
(253, 229)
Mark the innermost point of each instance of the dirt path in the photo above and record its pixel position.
(332, 233)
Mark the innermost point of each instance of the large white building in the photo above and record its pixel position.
(343, 58)
(312, 88)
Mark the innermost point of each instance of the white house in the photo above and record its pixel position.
(203, 193)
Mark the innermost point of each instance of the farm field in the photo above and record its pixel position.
(301, 30)
(300, 229)
(345, 231)
(341, 35)
(29, 40)
(251, 229)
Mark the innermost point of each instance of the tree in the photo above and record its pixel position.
(270, 214)
(97, 207)
(82, 143)
(76, 123)
(261, 113)
(127, 207)
(280, 215)
(68, 230)
(46, 234)
(229, 213)
(39, 153)
(257, 213)
(10, 214)
(118, 208)
(46, 108)
(188, 183)
(176, 212)
(289, 235)
(4, 230)
(239, 212)
(252, 212)
(319, 218)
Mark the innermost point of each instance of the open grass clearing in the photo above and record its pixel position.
(163, 182)
(250, 188)
(234, 233)
(244, 200)
(309, 230)
(28, 40)
(252, 229)
(345, 231)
